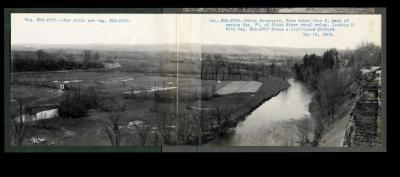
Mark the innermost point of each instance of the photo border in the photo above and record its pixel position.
(7, 86)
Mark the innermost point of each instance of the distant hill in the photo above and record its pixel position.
(272, 51)
(185, 47)
(23, 48)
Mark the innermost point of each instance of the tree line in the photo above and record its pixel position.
(333, 76)
(42, 60)
(215, 67)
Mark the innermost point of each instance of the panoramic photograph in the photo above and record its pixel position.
(210, 80)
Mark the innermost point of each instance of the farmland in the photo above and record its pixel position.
(157, 93)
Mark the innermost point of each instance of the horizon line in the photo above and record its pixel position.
(33, 44)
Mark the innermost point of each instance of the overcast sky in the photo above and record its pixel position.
(187, 28)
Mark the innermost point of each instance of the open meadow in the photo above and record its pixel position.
(149, 91)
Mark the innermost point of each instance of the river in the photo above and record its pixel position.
(265, 125)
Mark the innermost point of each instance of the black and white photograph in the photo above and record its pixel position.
(202, 78)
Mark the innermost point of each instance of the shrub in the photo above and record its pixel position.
(77, 103)
(73, 106)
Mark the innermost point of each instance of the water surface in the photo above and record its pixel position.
(255, 130)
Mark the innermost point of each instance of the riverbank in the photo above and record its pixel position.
(89, 130)
(328, 134)
(283, 120)
(240, 105)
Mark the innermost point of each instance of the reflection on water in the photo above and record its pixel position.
(257, 128)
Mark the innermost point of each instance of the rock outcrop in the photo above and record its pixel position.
(363, 129)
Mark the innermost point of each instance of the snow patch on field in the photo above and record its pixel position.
(152, 89)
(66, 82)
(130, 79)
(240, 87)
(112, 65)
(48, 114)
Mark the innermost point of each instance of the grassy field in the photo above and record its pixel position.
(42, 88)
(39, 89)
(240, 87)
(89, 130)
(238, 105)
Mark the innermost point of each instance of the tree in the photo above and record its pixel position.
(18, 127)
(212, 71)
(272, 69)
(304, 131)
(155, 142)
(42, 122)
(237, 69)
(330, 58)
(91, 59)
(142, 131)
(96, 56)
(91, 93)
(165, 125)
(198, 119)
(213, 90)
(76, 104)
(202, 68)
(255, 75)
(186, 128)
(157, 97)
(216, 69)
(87, 55)
(229, 72)
(41, 54)
(161, 63)
(366, 55)
(328, 92)
(113, 129)
(132, 92)
(220, 121)
(332, 80)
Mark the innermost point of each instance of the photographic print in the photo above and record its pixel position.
(198, 80)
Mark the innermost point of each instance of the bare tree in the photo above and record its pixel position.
(199, 122)
(96, 56)
(92, 94)
(114, 130)
(202, 68)
(220, 120)
(329, 92)
(18, 128)
(142, 131)
(132, 92)
(230, 72)
(165, 125)
(161, 63)
(186, 128)
(157, 97)
(87, 55)
(216, 69)
(155, 142)
(42, 121)
(304, 131)
(213, 90)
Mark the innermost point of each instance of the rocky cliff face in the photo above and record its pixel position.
(363, 129)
